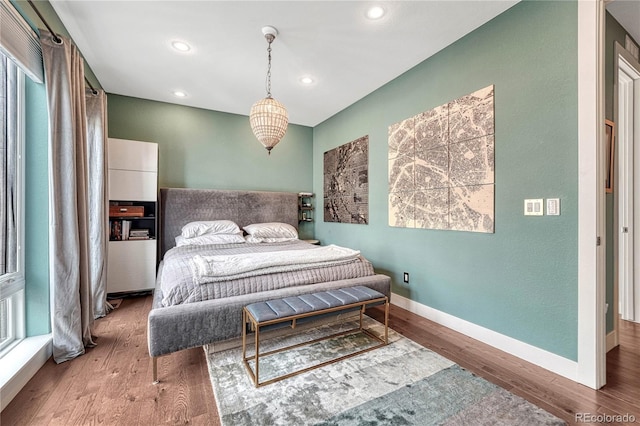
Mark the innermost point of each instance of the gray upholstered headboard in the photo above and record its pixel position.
(179, 206)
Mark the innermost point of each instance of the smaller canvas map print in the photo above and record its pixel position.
(346, 182)
(441, 171)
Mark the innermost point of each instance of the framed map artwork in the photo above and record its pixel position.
(346, 182)
(441, 166)
(609, 127)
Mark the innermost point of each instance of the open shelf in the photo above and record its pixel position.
(120, 225)
(305, 207)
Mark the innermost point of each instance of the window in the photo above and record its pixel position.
(11, 209)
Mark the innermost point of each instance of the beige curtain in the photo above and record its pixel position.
(73, 254)
(98, 198)
(8, 162)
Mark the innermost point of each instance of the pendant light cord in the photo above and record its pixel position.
(270, 39)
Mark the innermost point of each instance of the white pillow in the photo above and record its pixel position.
(195, 229)
(254, 239)
(209, 239)
(271, 230)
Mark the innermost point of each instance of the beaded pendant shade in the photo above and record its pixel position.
(268, 117)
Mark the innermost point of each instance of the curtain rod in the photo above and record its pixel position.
(94, 91)
(57, 39)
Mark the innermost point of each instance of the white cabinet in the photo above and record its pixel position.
(131, 266)
(133, 170)
(133, 189)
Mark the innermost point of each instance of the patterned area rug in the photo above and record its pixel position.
(402, 383)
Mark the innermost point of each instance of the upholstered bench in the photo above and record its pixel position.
(290, 311)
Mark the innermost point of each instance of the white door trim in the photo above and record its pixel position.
(591, 207)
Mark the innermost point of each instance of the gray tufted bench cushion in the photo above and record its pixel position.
(263, 312)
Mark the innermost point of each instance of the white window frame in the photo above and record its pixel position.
(12, 284)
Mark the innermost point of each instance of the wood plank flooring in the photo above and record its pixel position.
(111, 383)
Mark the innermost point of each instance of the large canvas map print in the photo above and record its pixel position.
(346, 182)
(441, 166)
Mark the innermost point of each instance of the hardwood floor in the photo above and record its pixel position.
(111, 383)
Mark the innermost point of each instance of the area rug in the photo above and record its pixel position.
(402, 383)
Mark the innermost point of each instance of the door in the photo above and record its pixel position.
(628, 131)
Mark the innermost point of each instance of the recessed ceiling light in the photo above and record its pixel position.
(180, 94)
(375, 12)
(306, 80)
(180, 46)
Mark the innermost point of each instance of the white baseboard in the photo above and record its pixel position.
(540, 357)
(612, 340)
(21, 363)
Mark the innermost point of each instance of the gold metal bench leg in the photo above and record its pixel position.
(248, 320)
(154, 360)
(257, 352)
(244, 335)
(386, 322)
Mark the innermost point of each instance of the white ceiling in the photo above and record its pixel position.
(627, 13)
(127, 45)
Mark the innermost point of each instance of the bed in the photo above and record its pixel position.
(174, 327)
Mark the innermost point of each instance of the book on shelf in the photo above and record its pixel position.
(139, 234)
(126, 228)
(115, 230)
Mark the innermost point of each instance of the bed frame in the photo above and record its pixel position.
(174, 328)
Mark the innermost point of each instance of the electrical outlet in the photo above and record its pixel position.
(406, 277)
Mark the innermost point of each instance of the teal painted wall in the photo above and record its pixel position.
(37, 211)
(521, 281)
(613, 33)
(207, 149)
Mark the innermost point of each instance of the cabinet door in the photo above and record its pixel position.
(131, 266)
(133, 155)
(133, 185)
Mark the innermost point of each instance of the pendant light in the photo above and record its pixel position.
(268, 117)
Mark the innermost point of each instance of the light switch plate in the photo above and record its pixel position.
(553, 206)
(533, 207)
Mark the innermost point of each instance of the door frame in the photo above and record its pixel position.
(591, 366)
